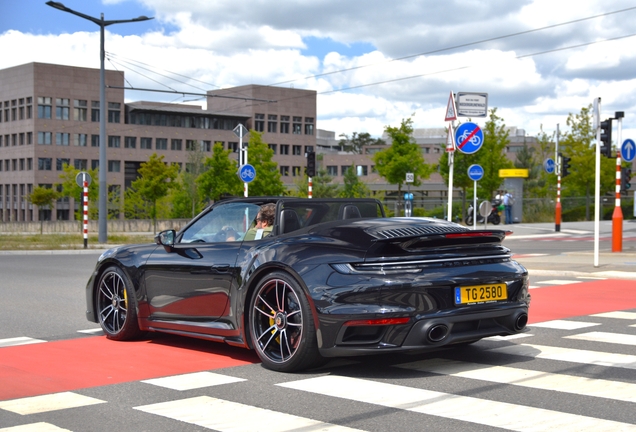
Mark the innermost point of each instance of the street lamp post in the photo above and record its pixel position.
(103, 188)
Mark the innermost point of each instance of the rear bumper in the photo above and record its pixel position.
(430, 333)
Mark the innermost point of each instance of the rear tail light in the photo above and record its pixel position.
(377, 322)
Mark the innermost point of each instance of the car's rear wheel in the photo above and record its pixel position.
(282, 325)
(116, 305)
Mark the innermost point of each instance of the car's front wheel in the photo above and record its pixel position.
(282, 325)
(116, 306)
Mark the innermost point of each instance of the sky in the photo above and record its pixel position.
(372, 63)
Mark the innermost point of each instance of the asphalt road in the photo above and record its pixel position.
(573, 372)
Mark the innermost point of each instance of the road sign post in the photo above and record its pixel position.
(475, 173)
(240, 132)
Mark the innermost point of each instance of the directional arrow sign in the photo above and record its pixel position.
(628, 150)
(549, 165)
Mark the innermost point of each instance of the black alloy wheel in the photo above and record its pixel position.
(116, 306)
(282, 326)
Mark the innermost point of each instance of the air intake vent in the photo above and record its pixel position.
(419, 230)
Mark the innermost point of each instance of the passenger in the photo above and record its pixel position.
(264, 223)
(230, 233)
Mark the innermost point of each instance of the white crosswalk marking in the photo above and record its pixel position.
(570, 355)
(529, 378)
(616, 338)
(49, 402)
(617, 315)
(464, 408)
(34, 427)
(193, 380)
(19, 341)
(226, 416)
(558, 282)
(564, 324)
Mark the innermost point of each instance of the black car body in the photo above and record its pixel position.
(335, 278)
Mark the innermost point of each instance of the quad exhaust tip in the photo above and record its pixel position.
(437, 333)
(521, 321)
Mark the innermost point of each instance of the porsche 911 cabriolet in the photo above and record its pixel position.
(330, 278)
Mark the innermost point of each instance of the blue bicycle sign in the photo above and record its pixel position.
(247, 173)
(468, 138)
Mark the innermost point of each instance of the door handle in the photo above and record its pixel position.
(221, 268)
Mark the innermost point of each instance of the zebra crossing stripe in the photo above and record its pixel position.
(617, 315)
(615, 338)
(49, 402)
(227, 416)
(599, 358)
(528, 378)
(19, 341)
(464, 408)
(192, 381)
(34, 427)
(564, 324)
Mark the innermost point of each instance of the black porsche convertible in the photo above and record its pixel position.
(335, 277)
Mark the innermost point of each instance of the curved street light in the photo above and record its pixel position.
(103, 188)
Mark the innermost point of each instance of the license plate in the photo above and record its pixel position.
(478, 294)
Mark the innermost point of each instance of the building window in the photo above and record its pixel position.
(309, 125)
(29, 164)
(80, 110)
(191, 145)
(60, 162)
(272, 122)
(114, 112)
(114, 141)
(284, 149)
(175, 144)
(344, 169)
(284, 170)
(80, 164)
(62, 138)
(80, 140)
(130, 142)
(272, 147)
(94, 111)
(14, 164)
(297, 125)
(362, 170)
(29, 137)
(22, 164)
(44, 107)
(145, 143)
(44, 138)
(114, 166)
(284, 124)
(62, 109)
(94, 164)
(162, 144)
(14, 139)
(296, 150)
(45, 164)
(259, 122)
(94, 140)
(29, 108)
(332, 170)
(206, 146)
(309, 149)
(295, 171)
(232, 146)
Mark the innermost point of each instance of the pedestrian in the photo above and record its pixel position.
(508, 201)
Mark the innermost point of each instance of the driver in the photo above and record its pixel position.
(264, 223)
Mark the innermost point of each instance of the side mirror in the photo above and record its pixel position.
(166, 238)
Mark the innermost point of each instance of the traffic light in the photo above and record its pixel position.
(311, 164)
(565, 166)
(626, 178)
(606, 137)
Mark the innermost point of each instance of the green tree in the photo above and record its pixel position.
(43, 197)
(186, 200)
(71, 189)
(539, 183)
(321, 186)
(402, 157)
(267, 181)
(155, 181)
(491, 156)
(219, 178)
(356, 143)
(353, 187)
(579, 144)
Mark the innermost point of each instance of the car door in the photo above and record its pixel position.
(191, 282)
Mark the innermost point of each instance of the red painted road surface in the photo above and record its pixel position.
(51, 367)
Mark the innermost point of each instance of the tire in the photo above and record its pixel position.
(469, 220)
(282, 325)
(496, 219)
(117, 305)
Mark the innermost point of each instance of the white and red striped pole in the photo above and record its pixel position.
(617, 217)
(309, 188)
(85, 213)
(557, 210)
